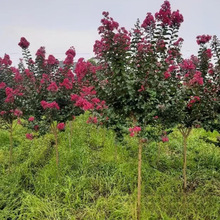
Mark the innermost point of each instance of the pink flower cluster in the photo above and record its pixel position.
(67, 84)
(45, 78)
(29, 136)
(31, 118)
(6, 60)
(167, 18)
(52, 105)
(167, 75)
(108, 23)
(192, 101)
(30, 75)
(93, 120)
(164, 15)
(2, 85)
(71, 51)
(178, 42)
(122, 39)
(134, 131)
(52, 60)
(70, 54)
(164, 138)
(52, 87)
(10, 94)
(3, 113)
(149, 21)
(24, 44)
(81, 102)
(18, 77)
(187, 64)
(82, 69)
(208, 53)
(203, 39)
(41, 52)
(16, 112)
(61, 126)
(197, 79)
(144, 47)
(176, 19)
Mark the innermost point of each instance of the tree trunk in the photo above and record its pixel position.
(11, 145)
(184, 162)
(56, 147)
(185, 134)
(70, 134)
(139, 181)
(54, 129)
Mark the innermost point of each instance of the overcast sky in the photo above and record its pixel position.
(58, 25)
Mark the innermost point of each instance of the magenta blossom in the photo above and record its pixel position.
(176, 19)
(31, 118)
(24, 44)
(67, 84)
(2, 113)
(17, 113)
(134, 130)
(165, 138)
(2, 85)
(52, 87)
(149, 21)
(52, 60)
(36, 127)
(164, 15)
(68, 60)
(6, 60)
(93, 120)
(29, 136)
(71, 51)
(61, 126)
(51, 105)
(167, 75)
(202, 39)
(84, 104)
(41, 52)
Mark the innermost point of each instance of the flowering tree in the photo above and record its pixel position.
(138, 75)
(53, 94)
(10, 97)
(199, 93)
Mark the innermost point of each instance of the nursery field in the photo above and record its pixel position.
(97, 176)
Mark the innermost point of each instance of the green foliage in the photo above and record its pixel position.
(97, 176)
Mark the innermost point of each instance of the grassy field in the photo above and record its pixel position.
(97, 177)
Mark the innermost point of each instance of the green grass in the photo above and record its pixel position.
(97, 177)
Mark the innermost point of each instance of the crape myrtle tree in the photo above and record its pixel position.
(214, 70)
(10, 98)
(138, 75)
(53, 95)
(199, 92)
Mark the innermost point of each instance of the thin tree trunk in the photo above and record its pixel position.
(70, 134)
(184, 161)
(185, 133)
(56, 144)
(11, 145)
(139, 180)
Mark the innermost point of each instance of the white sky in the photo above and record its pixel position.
(57, 24)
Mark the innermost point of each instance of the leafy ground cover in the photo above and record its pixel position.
(97, 176)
